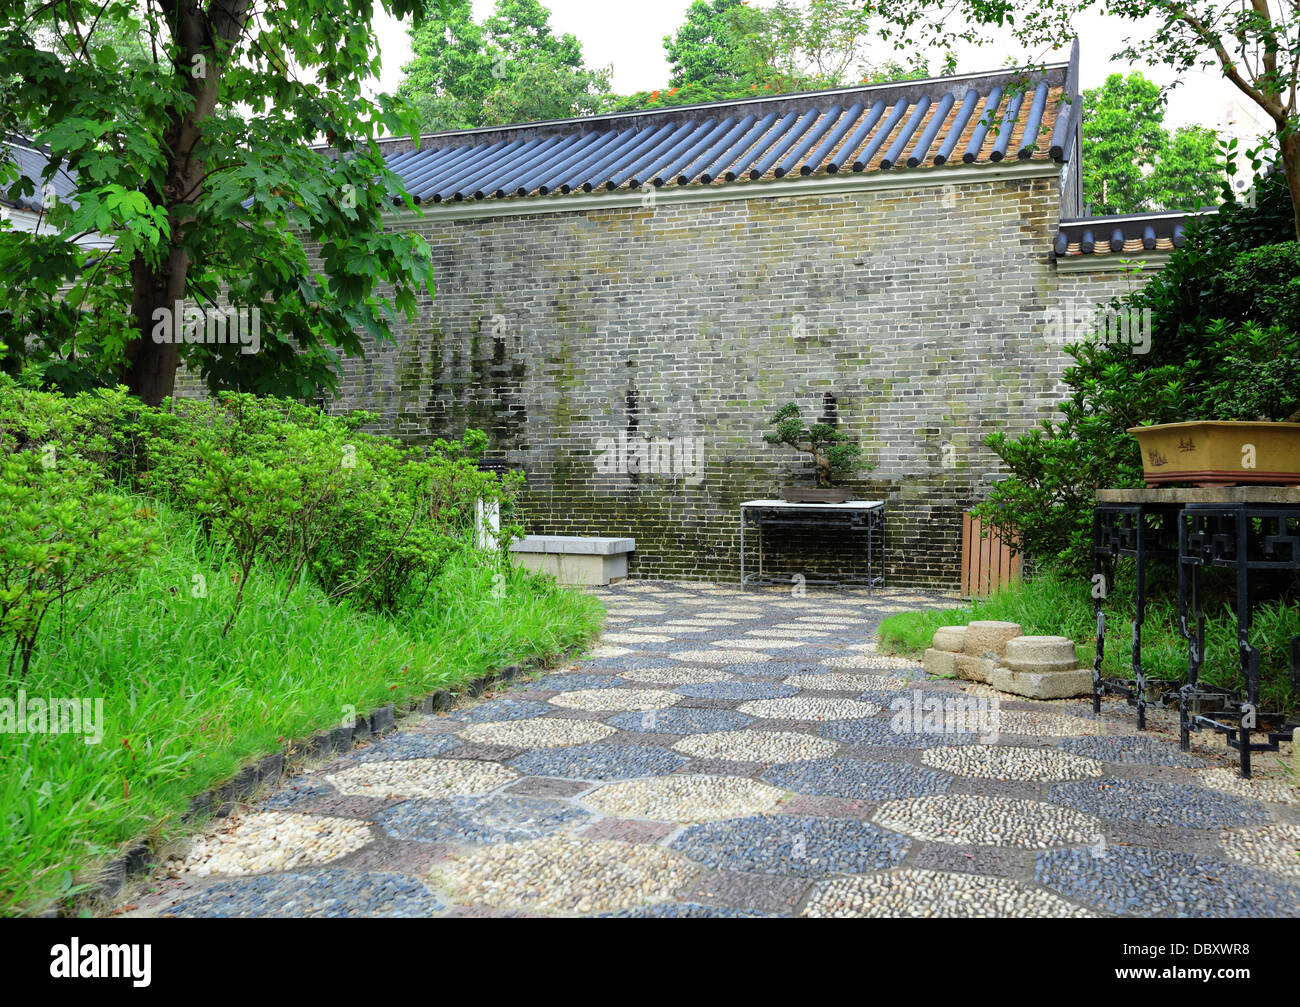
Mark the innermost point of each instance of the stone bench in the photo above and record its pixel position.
(574, 559)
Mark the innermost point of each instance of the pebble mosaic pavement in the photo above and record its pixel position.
(720, 754)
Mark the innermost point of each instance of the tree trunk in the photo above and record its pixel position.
(1289, 144)
(151, 366)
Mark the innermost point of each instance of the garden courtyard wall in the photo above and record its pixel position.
(920, 314)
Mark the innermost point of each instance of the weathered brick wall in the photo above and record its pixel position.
(920, 311)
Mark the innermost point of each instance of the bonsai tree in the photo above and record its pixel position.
(834, 456)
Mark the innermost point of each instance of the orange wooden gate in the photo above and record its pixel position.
(986, 560)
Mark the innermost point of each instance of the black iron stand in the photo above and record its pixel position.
(1242, 529)
(1241, 537)
(1144, 533)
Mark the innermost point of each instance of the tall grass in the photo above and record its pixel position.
(1049, 605)
(184, 706)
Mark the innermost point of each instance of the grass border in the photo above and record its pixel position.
(139, 858)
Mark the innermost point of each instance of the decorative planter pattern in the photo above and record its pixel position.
(1220, 453)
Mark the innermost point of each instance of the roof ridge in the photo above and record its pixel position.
(868, 92)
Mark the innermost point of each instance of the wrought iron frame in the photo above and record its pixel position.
(1142, 532)
(869, 521)
(1240, 536)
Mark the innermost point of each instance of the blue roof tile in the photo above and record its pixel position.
(881, 127)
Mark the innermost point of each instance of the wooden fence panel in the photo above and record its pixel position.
(987, 563)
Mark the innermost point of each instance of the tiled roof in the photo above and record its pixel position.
(32, 161)
(975, 118)
(1132, 232)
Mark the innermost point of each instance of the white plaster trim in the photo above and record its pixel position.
(1111, 263)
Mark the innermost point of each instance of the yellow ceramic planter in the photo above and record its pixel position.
(1220, 453)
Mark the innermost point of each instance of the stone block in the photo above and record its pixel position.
(111, 879)
(985, 635)
(382, 720)
(574, 545)
(270, 769)
(341, 740)
(1040, 653)
(584, 560)
(139, 858)
(950, 638)
(941, 663)
(975, 669)
(578, 571)
(1042, 684)
(246, 782)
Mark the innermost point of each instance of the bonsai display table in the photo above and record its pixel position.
(857, 517)
(1244, 529)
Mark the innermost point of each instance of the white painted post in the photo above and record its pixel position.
(487, 523)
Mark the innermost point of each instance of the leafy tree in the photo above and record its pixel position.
(706, 49)
(1255, 47)
(1132, 162)
(727, 49)
(1188, 174)
(826, 44)
(192, 150)
(1123, 134)
(511, 68)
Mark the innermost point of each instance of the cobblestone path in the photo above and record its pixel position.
(728, 754)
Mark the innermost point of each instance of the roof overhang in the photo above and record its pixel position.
(1118, 262)
(671, 195)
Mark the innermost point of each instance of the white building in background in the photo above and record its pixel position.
(1245, 122)
(30, 213)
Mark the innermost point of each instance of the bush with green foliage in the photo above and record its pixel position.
(1224, 345)
(270, 480)
(366, 516)
(67, 530)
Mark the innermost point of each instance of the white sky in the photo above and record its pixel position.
(629, 39)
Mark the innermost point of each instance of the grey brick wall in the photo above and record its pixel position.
(920, 311)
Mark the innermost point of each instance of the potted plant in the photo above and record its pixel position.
(834, 455)
(1251, 433)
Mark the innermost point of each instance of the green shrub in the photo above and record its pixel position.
(65, 532)
(364, 515)
(1224, 345)
(1258, 377)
